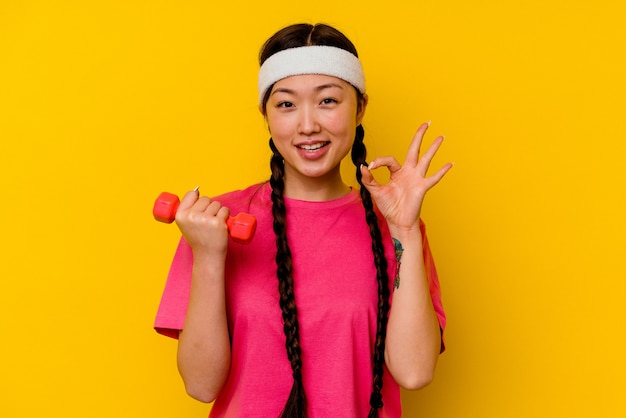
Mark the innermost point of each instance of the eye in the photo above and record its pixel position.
(328, 101)
(285, 105)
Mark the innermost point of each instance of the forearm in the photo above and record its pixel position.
(413, 335)
(204, 344)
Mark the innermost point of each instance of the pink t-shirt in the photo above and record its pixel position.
(336, 297)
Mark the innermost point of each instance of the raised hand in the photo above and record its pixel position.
(203, 223)
(400, 200)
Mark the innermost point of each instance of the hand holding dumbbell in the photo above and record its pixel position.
(240, 227)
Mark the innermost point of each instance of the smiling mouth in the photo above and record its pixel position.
(312, 147)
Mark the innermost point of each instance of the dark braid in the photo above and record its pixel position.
(296, 403)
(359, 154)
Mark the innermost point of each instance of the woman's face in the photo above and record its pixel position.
(312, 120)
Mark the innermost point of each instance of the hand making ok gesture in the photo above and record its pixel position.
(400, 200)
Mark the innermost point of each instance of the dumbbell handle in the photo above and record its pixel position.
(240, 227)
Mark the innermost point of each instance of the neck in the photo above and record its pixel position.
(315, 189)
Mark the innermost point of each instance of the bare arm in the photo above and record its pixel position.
(204, 344)
(413, 336)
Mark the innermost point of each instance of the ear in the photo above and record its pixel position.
(264, 113)
(361, 109)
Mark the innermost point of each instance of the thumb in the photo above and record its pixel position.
(189, 199)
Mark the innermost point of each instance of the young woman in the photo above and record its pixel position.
(335, 304)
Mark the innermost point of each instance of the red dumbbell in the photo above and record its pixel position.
(241, 227)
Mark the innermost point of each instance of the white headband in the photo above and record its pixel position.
(316, 59)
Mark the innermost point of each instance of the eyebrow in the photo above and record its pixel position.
(317, 88)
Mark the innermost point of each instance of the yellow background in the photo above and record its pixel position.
(104, 104)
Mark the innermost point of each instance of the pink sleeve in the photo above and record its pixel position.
(172, 310)
(433, 283)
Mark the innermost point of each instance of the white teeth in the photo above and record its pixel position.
(312, 147)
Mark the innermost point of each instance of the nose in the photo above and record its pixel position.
(309, 121)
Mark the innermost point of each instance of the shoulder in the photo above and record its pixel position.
(244, 198)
